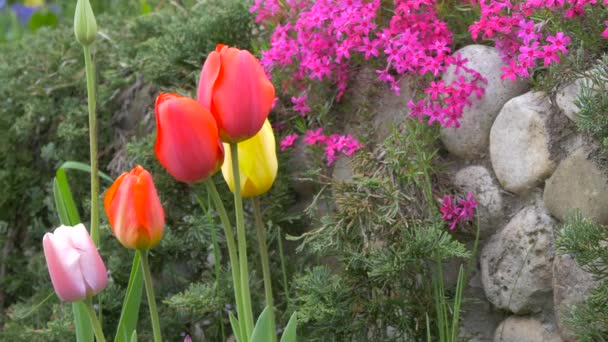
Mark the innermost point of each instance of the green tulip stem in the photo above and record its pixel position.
(232, 249)
(90, 72)
(242, 241)
(145, 266)
(94, 321)
(216, 257)
(283, 268)
(259, 223)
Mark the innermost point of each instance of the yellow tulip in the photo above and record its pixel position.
(257, 163)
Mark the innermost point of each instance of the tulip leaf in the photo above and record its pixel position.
(74, 165)
(289, 335)
(64, 201)
(130, 309)
(62, 211)
(134, 336)
(262, 332)
(236, 327)
(68, 215)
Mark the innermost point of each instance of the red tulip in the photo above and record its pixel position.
(235, 88)
(187, 141)
(76, 269)
(134, 210)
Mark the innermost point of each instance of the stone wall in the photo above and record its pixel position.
(518, 151)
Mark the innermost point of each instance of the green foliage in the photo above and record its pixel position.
(174, 57)
(382, 235)
(593, 103)
(586, 242)
(43, 120)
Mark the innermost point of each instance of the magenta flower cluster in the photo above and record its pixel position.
(318, 40)
(333, 145)
(522, 41)
(454, 213)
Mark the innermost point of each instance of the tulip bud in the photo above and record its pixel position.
(76, 269)
(85, 26)
(136, 216)
(257, 163)
(235, 89)
(187, 141)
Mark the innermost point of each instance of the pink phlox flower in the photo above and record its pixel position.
(314, 137)
(527, 31)
(288, 141)
(549, 55)
(300, 104)
(529, 53)
(453, 214)
(509, 71)
(559, 42)
(435, 89)
(369, 47)
(605, 33)
(351, 145)
(468, 206)
(416, 109)
(434, 112)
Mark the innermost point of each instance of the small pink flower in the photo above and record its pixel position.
(559, 42)
(300, 104)
(288, 141)
(453, 214)
(77, 271)
(313, 137)
(549, 55)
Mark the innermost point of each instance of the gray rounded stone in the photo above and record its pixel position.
(524, 329)
(516, 263)
(519, 143)
(571, 285)
(470, 140)
(565, 98)
(578, 183)
(478, 180)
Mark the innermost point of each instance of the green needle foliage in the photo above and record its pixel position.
(586, 242)
(378, 243)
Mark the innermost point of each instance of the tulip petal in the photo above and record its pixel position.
(189, 148)
(209, 73)
(62, 262)
(259, 161)
(111, 193)
(149, 211)
(122, 210)
(242, 95)
(91, 265)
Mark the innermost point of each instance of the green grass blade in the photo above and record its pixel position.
(457, 303)
(428, 329)
(74, 165)
(262, 331)
(289, 335)
(236, 327)
(130, 309)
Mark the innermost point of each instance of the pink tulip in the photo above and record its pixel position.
(76, 269)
